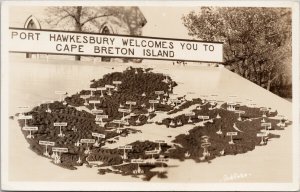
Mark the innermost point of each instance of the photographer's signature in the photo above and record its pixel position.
(235, 176)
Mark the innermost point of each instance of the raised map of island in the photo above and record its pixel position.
(111, 125)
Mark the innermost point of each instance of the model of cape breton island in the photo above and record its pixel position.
(108, 127)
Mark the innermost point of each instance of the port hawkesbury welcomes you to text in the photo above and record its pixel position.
(112, 45)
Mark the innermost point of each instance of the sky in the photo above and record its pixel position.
(161, 21)
(166, 22)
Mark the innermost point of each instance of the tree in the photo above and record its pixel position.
(132, 19)
(77, 18)
(257, 41)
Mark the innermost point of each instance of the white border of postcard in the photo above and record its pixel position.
(88, 186)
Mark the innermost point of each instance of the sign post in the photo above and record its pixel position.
(101, 90)
(109, 87)
(267, 126)
(264, 110)
(99, 120)
(138, 162)
(85, 99)
(162, 160)
(240, 112)
(159, 143)
(231, 134)
(92, 91)
(94, 102)
(190, 116)
(153, 152)
(203, 118)
(87, 141)
(25, 117)
(98, 135)
(57, 151)
(262, 135)
(130, 103)
(46, 143)
(117, 83)
(126, 147)
(119, 122)
(27, 128)
(62, 124)
(152, 109)
(123, 111)
(158, 93)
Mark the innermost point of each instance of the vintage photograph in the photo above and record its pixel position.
(116, 95)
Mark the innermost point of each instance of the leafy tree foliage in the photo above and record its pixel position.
(77, 18)
(257, 41)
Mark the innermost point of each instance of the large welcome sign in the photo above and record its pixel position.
(94, 44)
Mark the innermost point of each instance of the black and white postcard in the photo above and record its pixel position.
(150, 95)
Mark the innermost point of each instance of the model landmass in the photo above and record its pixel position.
(85, 128)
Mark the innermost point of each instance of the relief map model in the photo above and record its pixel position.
(91, 127)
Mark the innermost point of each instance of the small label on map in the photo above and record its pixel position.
(47, 143)
(124, 110)
(137, 160)
(190, 114)
(87, 140)
(60, 124)
(153, 101)
(130, 103)
(117, 82)
(203, 117)
(125, 147)
(101, 88)
(231, 133)
(159, 92)
(109, 86)
(59, 149)
(94, 101)
(102, 116)
(264, 134)
(98, 135)
(27, 128)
